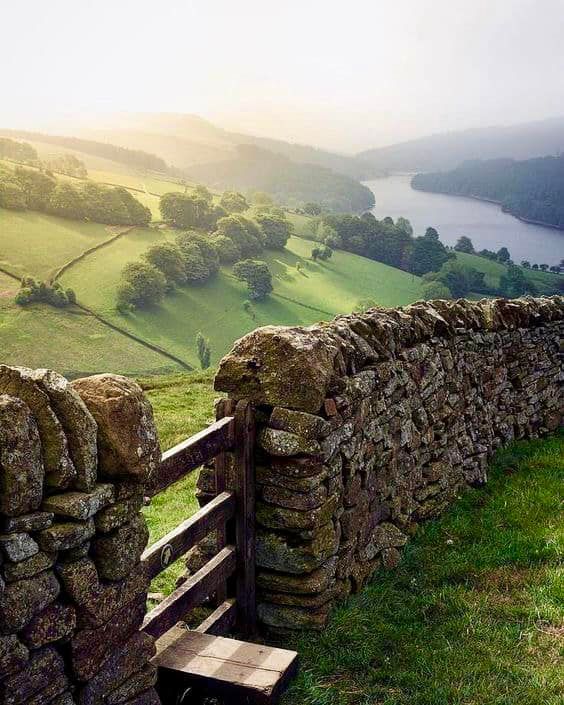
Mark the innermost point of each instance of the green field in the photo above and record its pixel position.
(71, 343)
(37, 244)
(545, 282)
(318, 292)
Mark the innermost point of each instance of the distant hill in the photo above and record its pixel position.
(290, 183)
(449, 150)
(184, 140)
(532, 189)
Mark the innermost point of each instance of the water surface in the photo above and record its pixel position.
(453, 216)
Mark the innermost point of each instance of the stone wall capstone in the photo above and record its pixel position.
(375, 422)
(74, 458)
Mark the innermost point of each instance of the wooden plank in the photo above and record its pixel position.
(181, 539)
(192, 453)
(224, 407)
(221, 620)
(190, 594)
(245, 516)
(254, 672)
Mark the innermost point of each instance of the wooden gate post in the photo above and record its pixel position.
(245, 517)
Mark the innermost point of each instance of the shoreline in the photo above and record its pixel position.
(528, 221)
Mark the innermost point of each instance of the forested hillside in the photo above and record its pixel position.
(531, 189)
(290, 183)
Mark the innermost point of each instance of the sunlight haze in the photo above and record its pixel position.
(345, 76)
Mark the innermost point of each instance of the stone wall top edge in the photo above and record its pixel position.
(295, 366)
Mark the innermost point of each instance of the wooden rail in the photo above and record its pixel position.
(230, 514)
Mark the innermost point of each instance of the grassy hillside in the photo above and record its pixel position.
(545, 282)
(319, 291)
(69, 342)
(37, 244)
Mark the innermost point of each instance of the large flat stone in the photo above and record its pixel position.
(21, 465)
(275, 552)
(128, 445)
(80, 505)
(65, 535)
(27, 522)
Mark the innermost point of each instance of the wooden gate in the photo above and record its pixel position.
(230, 514)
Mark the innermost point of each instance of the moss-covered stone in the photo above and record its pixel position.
(115, 554)
(27, 569)
(308, 426)
(18, 382)
(276, 553)
(284, 443)
(25, 598)
(57, 621)
(21, 464)
(128, 445)
(80, 505)
(63, 536)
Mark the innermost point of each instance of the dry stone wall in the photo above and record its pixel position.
(375, 422)
(73, 462)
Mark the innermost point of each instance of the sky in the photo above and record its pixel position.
(341, 75)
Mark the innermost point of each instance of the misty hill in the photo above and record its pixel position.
(449, 150)
(290, 183)
(531, 189)
(184, 140)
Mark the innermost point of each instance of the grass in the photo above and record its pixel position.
(318, 291)
(545, 282)
(69, 342)
(474, 614)
(37, 244)
(183, 405)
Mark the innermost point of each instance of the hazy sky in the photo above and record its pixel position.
(347, 75)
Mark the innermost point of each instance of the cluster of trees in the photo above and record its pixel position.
(67, 164)
(290, 182)
(36, 291)
(384, 240)
(191, 259)
(555, 268)
(323, 253)
(256, 275)
(532, 189)
(191, 210)
(135, 158)
(34, 189)
(204, 351)
(19, 151)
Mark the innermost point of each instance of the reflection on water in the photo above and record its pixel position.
(484, 223)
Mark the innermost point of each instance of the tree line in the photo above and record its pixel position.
(37, 190)
(136, 158)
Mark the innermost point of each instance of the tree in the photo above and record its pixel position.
(535, 266)
(503, 255)
(276, 230)
(464, 244)
(141, 285)
(183, 210)
(12, 196)
(330, 236)
(543, 267)
(257, 276)
(233, 202)
(513, 283)
(202, 192)
(525, 263)
(404, 225)
(324, 253)
(436, 290)
(204, 351)
(227, 251)
(312, 209)
(168, 259)
(244, 233)
(429, 253)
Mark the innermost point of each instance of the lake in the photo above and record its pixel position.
(453, 216)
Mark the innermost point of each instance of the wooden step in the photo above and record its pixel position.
(250, 673)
